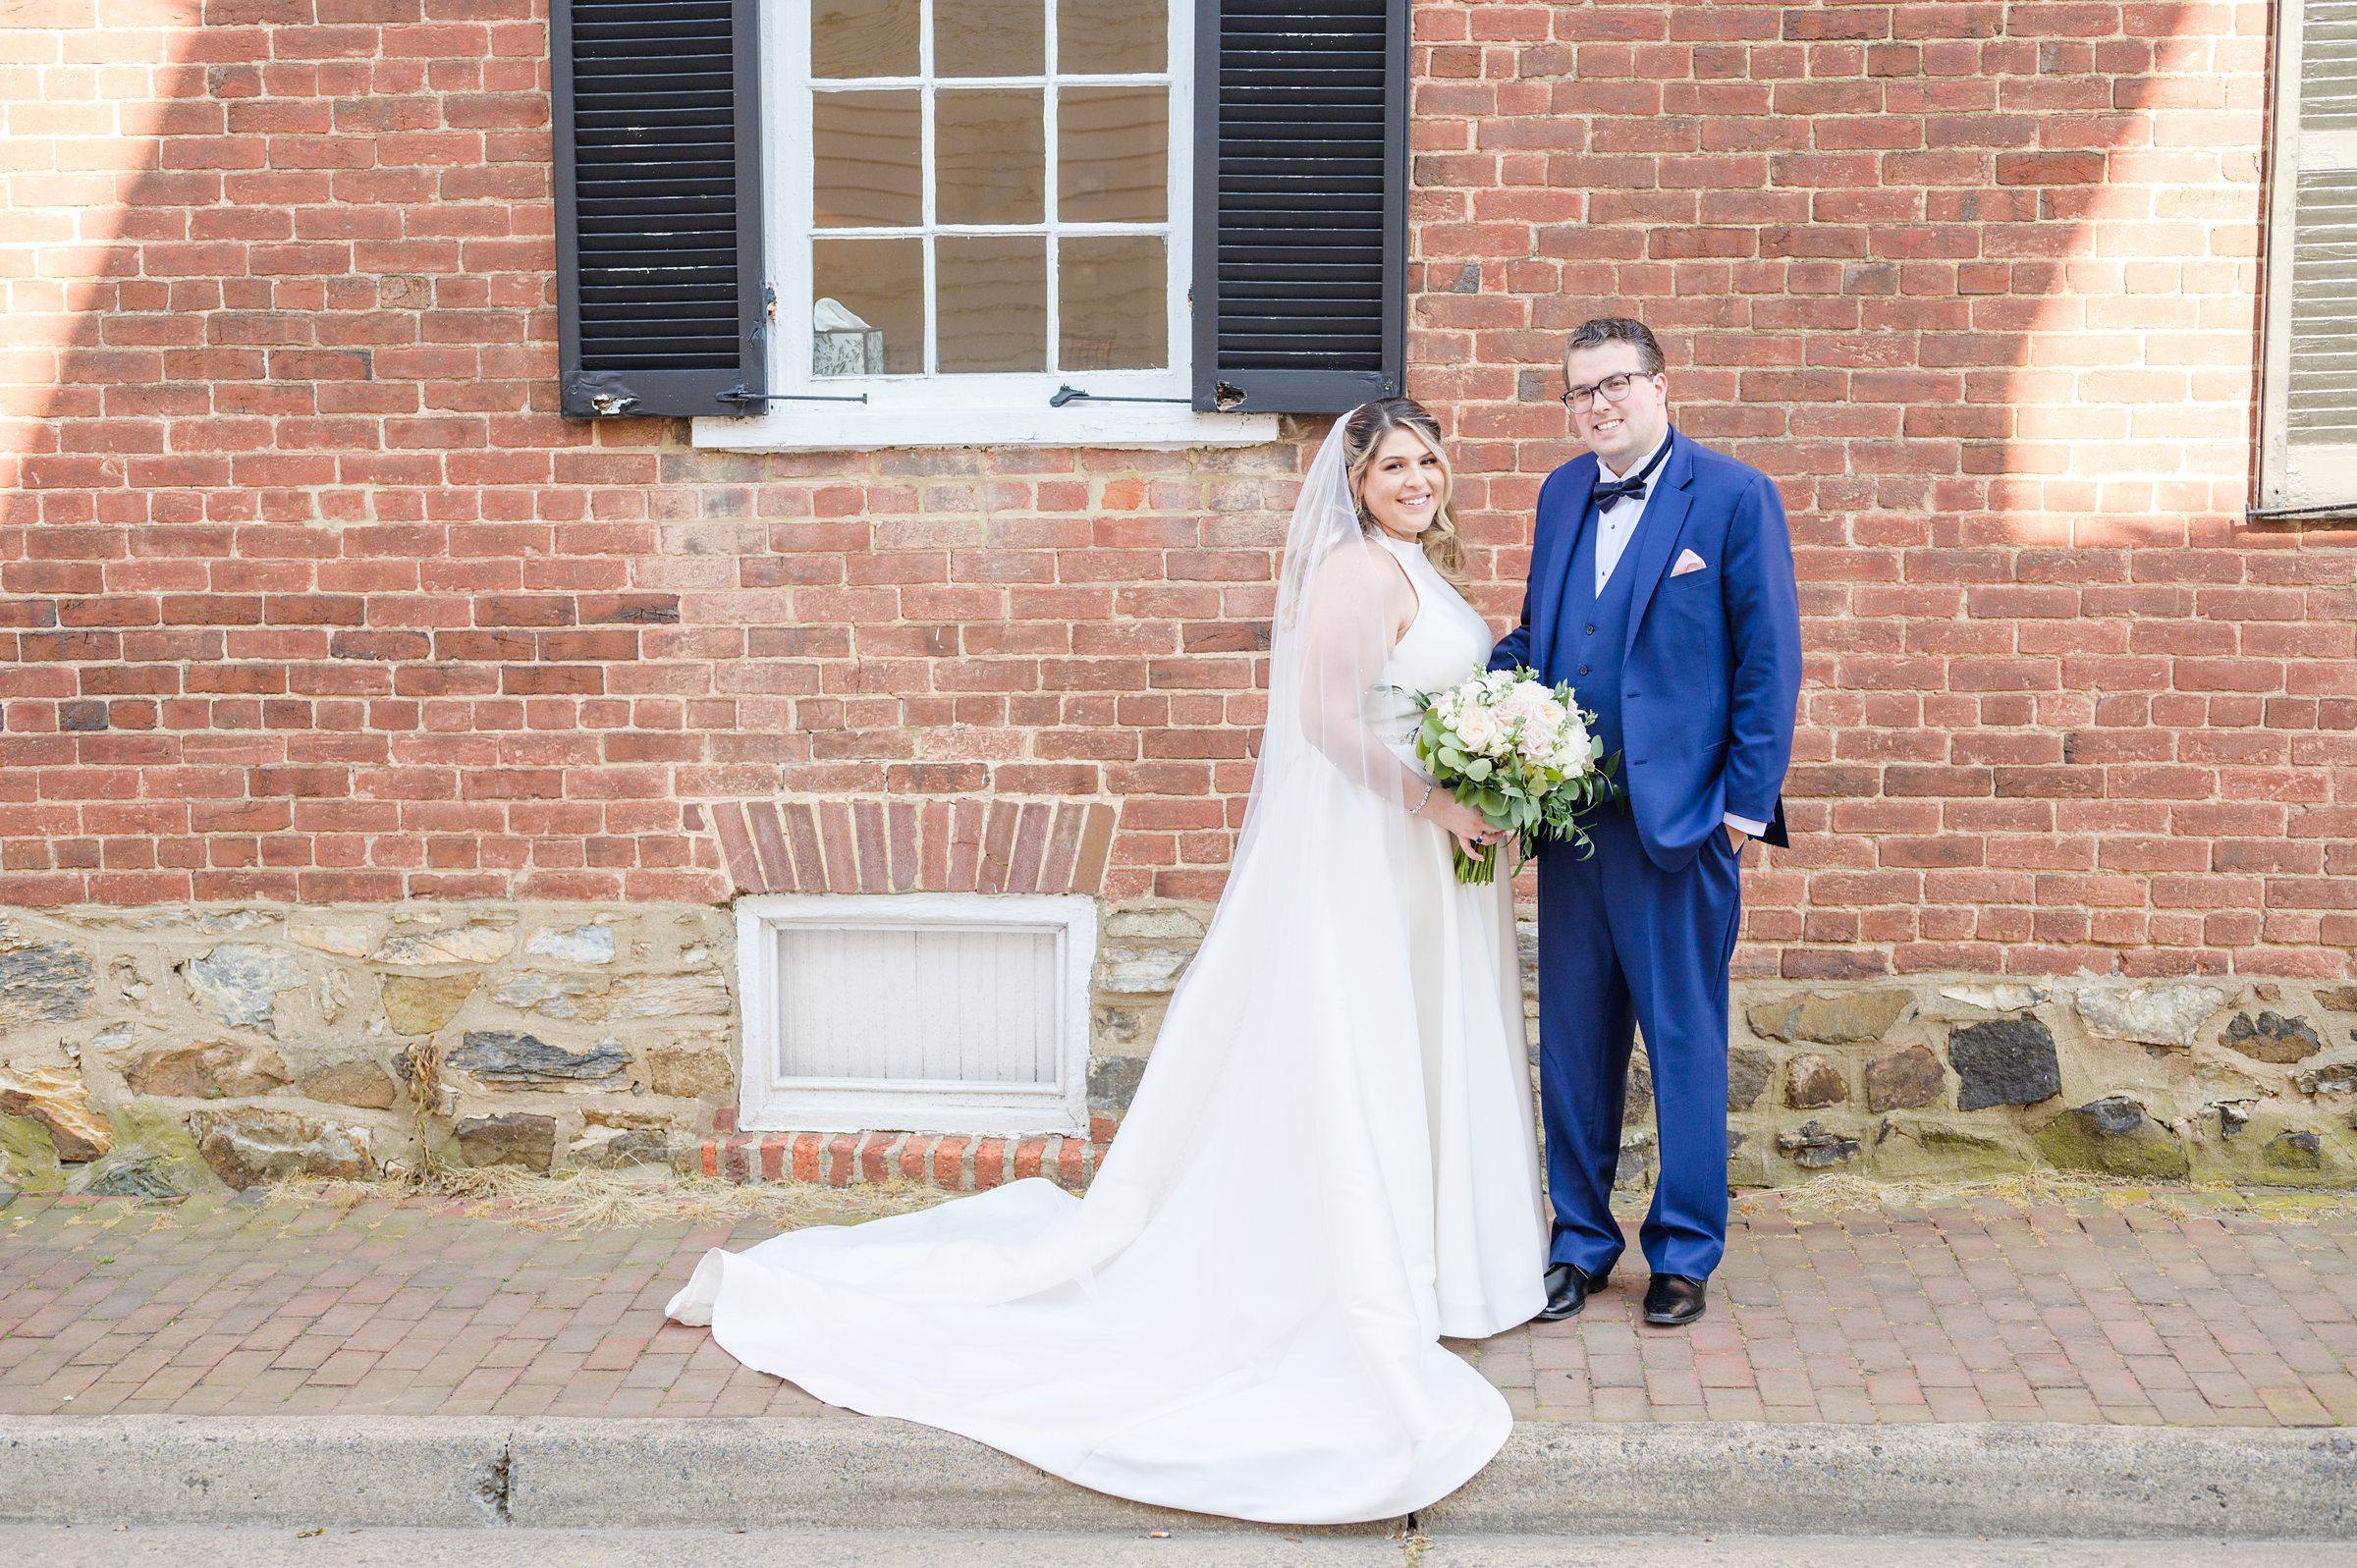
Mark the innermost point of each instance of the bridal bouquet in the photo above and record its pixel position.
(1519, 753)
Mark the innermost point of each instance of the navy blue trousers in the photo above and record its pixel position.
(1623, 946)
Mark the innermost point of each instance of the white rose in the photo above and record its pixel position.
(1475, 727)
(1574, 749)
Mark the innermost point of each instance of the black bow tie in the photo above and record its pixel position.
(1605, 495)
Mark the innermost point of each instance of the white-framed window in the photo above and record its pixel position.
(2308, 464)
(978, 226)
(919, 1012)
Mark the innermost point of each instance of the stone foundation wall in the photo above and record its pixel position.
(175, 1050)
(1947, 1077)
(184, 1049)
(180, 1050)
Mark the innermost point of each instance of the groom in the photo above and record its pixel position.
(1662, 589)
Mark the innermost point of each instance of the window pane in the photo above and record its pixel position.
(992, 299)
(863, 38)
(990, 157)
(990, 38)
(1111, 34)
(1113, 154)
(1114, 304)
(869, 316)
(867, 172)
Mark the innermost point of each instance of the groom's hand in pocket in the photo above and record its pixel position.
(1736, 839)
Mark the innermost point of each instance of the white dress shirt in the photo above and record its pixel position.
(1616, 526)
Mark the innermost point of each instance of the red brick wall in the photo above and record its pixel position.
(308, 595)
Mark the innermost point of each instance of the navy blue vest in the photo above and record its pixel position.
(1591, 637)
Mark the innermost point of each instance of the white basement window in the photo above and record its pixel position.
(978, 227)
(920, 1012)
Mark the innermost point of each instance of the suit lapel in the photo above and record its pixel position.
(1551, 571)
(1665, 519)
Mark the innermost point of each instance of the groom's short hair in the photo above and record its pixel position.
(1598, 330)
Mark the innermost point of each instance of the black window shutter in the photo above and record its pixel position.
(658, 192)
(1301, 204)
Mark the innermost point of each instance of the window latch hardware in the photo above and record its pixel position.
(739, 395)
(1070, 393)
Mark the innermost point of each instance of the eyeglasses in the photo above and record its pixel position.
(1613, 389)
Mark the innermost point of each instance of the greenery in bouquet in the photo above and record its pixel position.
(1518, 752)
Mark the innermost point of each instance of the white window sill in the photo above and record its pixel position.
(840, 427)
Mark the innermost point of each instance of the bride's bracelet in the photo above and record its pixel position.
(1418, 809)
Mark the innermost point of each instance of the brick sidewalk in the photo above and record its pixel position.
(2194, 1310)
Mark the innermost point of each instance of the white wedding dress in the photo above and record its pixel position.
(1329, 1165)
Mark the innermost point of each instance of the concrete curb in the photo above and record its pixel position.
(2019, 1479)
(143, 1470)
(2124, 1483)
(829, 1472)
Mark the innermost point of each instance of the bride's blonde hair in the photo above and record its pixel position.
(1364, 430)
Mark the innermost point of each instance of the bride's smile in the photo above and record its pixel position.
(1405, 485)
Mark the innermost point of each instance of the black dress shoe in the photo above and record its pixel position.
(1567, 1288)
(1673, 1301)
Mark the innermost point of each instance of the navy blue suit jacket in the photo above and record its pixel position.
(1711, 674)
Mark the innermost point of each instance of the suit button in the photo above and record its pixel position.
(1591, 628)
(1583, 670)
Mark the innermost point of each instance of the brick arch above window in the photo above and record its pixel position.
(973, 843)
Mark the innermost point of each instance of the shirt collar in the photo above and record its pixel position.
(1610, 477)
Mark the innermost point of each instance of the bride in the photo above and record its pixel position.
(1329, 1162)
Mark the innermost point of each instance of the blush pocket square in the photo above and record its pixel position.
(1687, 561)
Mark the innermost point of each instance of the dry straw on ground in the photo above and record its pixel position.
(2029, 1189)
(2033, 1190)
(599, 1200)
